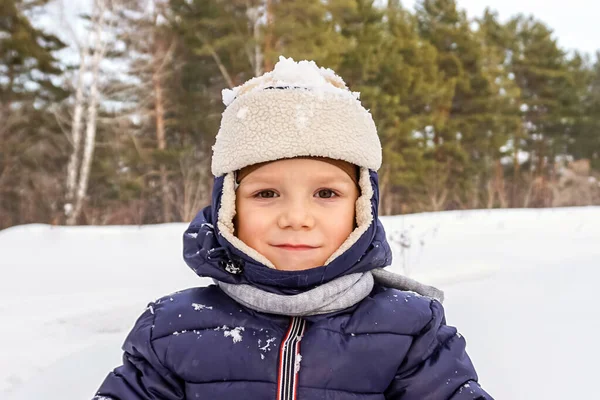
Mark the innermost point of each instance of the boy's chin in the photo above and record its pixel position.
(296, 266)
(296, 260)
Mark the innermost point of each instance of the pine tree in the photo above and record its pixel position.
(462, 133)
(308, 30)
(400, 83)
(591, 148)
(501, 142)
(549, 102)
(31, 145)
(584, 142)
(220, 33)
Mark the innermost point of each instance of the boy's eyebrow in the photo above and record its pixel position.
(256, 178)
(336, 179)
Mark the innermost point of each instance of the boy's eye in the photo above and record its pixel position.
(326, 193)
(266, 194)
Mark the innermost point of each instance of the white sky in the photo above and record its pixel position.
(575, 22)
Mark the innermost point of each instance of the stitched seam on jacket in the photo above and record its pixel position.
(228, 381)
(435, 343)
(337, 390)
(364, 334)
(438, 348)
(430, 349)
(430, 353)
(429, 324)
(151, 345)
(191, 330)
(275, 383)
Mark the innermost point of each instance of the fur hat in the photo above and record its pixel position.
(298, 109)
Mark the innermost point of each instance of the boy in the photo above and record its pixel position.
(302, 308)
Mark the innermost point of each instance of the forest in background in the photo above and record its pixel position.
(472, 111)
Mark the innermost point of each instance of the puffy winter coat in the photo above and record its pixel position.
(201, 344)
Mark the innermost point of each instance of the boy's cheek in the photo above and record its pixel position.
(250, 228)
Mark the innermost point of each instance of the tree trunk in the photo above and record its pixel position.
(159, 113)
(258, 54)
(255, 56)
(516, 171)
(221, 66)
(195, 189)
(499, 185)
(73, 165)
(491, 195)
(437, 200)
(474, 200)
(384, 187)
(92, 111)
(268, 65)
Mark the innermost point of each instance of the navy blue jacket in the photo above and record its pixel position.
(201, 344)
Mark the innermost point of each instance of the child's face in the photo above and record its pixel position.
(296, 212)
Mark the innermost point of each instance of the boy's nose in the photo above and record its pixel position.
(296, 215)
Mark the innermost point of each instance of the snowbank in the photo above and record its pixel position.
(519, 285)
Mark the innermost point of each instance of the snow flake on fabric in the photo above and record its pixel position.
(267, 346)
(200, 307)
(297, 364)
(466, 386)
(235, 333)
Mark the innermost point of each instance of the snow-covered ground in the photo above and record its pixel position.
(519, 285)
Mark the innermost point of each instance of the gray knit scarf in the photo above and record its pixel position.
(336, 295)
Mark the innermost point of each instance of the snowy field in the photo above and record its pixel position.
(520, 285)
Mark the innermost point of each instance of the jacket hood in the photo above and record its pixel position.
(210, 254)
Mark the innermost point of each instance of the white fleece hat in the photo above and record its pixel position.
(298, 109)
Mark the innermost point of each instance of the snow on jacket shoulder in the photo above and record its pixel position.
(200, 344)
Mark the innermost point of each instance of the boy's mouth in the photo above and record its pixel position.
(294, 247)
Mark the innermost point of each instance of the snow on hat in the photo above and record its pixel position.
(298, 109)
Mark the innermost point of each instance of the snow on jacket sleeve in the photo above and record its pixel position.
(142, 375)
(437, 366)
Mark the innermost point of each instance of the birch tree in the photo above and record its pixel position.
(77, 118)
(99, 27)
(160, 58)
